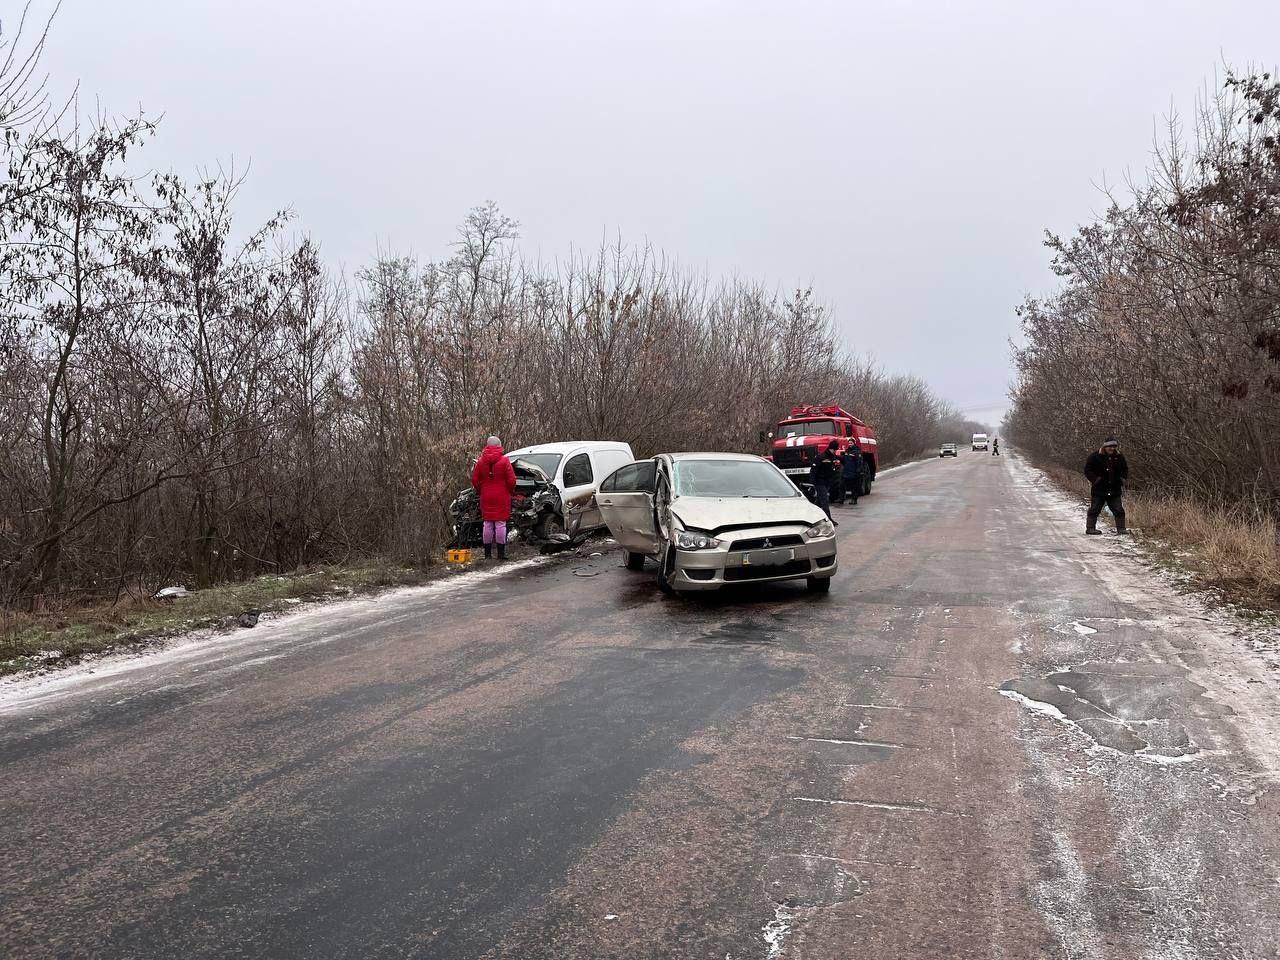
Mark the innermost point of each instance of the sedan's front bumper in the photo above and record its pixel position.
(713, 569)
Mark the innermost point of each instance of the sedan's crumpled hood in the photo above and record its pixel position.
(713, 513)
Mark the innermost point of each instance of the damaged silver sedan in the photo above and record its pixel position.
(716, 519)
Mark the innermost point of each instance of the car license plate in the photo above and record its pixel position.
(795, 471)
(768, 558)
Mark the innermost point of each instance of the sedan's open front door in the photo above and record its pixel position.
(625, 500)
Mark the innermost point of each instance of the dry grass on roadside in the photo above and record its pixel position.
(30, 641)
(1234, 548)
(1231, 548)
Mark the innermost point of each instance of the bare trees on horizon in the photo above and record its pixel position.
(181, 400)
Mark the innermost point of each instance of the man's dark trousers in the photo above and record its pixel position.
(822, 496)
(1112, 500)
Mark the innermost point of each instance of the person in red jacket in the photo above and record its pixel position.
(495, 481)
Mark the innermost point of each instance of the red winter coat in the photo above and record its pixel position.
(495, 480)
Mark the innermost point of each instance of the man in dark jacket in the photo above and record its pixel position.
(1106, 471)
(824, 474)
(855, 469)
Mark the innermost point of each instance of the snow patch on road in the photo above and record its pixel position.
(1236, 659)
(1036, 706)
(1062, 898)
(777, 929)
(1095, 749)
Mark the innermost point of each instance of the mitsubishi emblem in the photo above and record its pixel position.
(767, 543)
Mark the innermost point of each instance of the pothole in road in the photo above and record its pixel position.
(798, 880)
(739, 633)
(1131, 708)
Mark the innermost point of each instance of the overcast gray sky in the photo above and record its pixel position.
(903, 158)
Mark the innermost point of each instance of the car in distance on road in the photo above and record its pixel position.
(979, 441)
(715, 519)
(948, 450)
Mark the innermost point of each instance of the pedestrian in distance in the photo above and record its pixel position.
(495, 480)
(995, 446)
(855, 471)
(1106, 470)
(824, 474)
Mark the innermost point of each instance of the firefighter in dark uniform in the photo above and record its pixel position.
(825, 474)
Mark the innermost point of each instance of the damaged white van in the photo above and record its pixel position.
(576, 467)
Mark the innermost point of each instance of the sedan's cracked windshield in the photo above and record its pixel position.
(731, 478)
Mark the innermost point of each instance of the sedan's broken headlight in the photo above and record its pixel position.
(689, 540)
(823, 528)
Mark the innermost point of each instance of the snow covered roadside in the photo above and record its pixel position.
(903, 466)
(1239, 656)
(210, 652)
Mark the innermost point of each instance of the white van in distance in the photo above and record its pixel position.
(979, 441)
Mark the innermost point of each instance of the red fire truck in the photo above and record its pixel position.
(801, 437)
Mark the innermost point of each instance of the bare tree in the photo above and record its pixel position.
(1167, 326)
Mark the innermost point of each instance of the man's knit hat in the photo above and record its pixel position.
(1111, 442)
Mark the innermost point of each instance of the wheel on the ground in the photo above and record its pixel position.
(819, 584)
(633, 561)
(866, 486)
(549, 526)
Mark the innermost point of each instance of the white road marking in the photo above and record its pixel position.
(856, 743)
(877, 805)
(874, 706)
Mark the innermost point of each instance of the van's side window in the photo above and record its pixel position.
(577, 471)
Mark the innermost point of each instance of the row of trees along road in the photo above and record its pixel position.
(1166, 329)
(181, 401)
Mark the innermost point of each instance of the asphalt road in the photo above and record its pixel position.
(994, 738)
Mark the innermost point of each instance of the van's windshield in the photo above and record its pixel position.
(546, 462)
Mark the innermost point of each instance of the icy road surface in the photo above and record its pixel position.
(994, 738)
